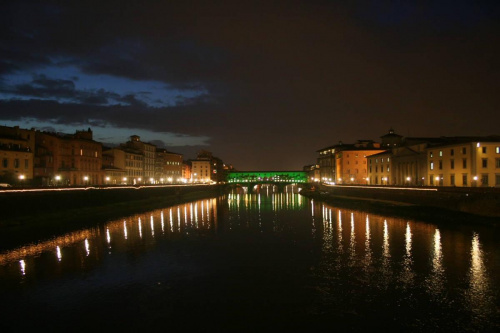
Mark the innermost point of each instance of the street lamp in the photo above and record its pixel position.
(86, 179)
(125, 180)
(58, 178)
(21, 178)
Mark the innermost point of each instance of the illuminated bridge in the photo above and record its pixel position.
(280, 178)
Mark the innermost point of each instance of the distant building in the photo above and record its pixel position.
(17, 148)
(351, 161)
(68, 159)
(113, 165)
(327, 164)
(136, 147)
(465, 161)
(206, 168)
(168, 166)
(441, 161)
(313, 172)
(201, 170)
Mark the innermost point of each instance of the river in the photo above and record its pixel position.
(261, 261)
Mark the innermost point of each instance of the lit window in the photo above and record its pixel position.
(440, 153)
(431, 154)
(432, 165)
(497, 150)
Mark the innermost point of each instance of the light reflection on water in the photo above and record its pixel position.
(361, 263)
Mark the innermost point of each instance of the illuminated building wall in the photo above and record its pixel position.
(168, 166)
(474, 163)
(201, 170)
(380, 169)
(351, 165)
(327, 164)
(114, 166)
(17, 147)
(72, 159)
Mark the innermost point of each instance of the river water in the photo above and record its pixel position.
(249, 262)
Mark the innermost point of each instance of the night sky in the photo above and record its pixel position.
(262, 85)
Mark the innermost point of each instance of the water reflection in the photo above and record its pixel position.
(436, 279)
(479, 294)
(357, 258)
(368, 250)
(407, 274)
(118, 231)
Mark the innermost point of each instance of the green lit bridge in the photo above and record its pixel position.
(279, 178)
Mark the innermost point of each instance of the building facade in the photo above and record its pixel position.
(168, 167)
(68, 159)
(474, 162)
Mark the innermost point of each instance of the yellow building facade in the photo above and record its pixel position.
(475, 163)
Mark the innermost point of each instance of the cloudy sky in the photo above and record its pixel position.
(261, 84)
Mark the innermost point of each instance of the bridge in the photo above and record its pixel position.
(279, 178)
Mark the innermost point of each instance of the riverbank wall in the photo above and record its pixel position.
(480, 202)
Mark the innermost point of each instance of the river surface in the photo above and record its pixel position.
(255, 262)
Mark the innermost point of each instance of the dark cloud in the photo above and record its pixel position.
(279, 79)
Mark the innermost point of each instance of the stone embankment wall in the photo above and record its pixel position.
(478, 201)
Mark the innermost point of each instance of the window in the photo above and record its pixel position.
(440, 153)
(452, 180)
(5, 163)
(388, 169)
(440, 165)
(484, 150)
(376, 168)
(497, 150)
(432, 165)
(485, 162)
(431, 179)
(497, 163)
(431, 154)
(452, 164)
(484, 180)
(497, 180)
(464, 179)
(464, 163)
(464, 150)
(16, 163)
(452, 152)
